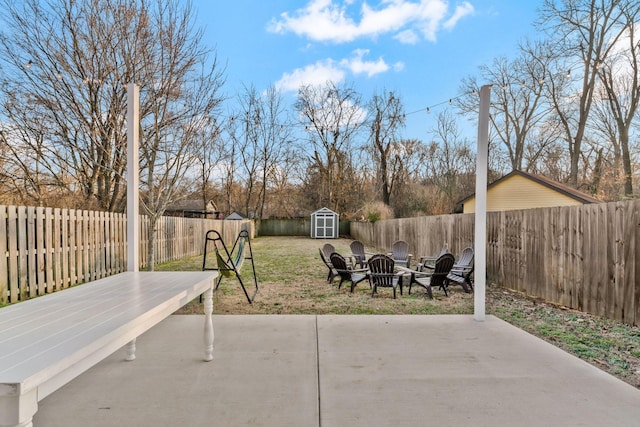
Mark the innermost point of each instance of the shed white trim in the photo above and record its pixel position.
(325, 224)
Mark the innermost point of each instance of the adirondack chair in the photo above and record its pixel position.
(346, 273)
(382, 274)
(357, 251)
(332, 271)
(400, 253)
(461, 271)
(327, 250)
(432, 278)
(429, 262)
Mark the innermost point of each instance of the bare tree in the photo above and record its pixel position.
(245, 137)
(332, 117)
(518, 102)
(387, 119)
(621, 89)
(286, 200)
(260, 133)
(208, 155)
(70, 62)
(27, 174)
(181, 91)
(451, 163)
(583, 33)
(229, 169)
(73, 60)
(275, 134)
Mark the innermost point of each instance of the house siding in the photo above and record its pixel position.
(518, 192)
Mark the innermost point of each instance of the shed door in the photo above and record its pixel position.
(324, 226)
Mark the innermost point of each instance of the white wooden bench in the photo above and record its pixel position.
(47, 341)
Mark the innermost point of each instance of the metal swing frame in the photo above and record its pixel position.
(229, 263)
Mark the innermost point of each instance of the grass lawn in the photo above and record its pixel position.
(292, 280)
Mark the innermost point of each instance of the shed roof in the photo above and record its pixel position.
(235, 215)
(324, 211)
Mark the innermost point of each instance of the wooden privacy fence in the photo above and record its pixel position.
(44, 249)
(583, 257)
(293, 227)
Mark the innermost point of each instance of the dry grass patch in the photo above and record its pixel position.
(292, 280)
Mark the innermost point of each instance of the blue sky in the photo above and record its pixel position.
(420, 49)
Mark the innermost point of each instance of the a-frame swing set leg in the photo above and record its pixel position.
(229, 263)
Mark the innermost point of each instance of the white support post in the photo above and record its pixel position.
(480, 241)
(133, 177)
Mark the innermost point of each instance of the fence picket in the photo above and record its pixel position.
(64, 249)
(4, 265)
(629, 266)
(23, 272)
(73, 248)
(40, 250)
(30, 254)
(12, 235)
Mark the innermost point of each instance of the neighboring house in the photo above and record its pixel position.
(522, 190)
(192, 208)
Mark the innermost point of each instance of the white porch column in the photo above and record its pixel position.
(480, 241)
(133, 177)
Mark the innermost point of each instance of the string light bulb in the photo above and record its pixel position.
(28, 65)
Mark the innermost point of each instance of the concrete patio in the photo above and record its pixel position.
(343, 371)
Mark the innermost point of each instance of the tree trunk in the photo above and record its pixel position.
(151, 249)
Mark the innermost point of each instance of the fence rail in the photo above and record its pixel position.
(43, 250)
(582, 257)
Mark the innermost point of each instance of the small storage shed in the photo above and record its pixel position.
(325, 224)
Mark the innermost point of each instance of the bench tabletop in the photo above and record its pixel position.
(44, 336)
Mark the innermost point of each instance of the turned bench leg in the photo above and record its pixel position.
(18, 411)
(208, 325)
(131, 350)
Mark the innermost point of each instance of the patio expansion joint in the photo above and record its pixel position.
(318, 370)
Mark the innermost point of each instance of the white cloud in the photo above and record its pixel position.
(431, 14)
(329, 20)
(314, 74)
(398, 66)
(358, 66)
(319, 20)
(407, 37)
(335, 71)
(462, 10)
